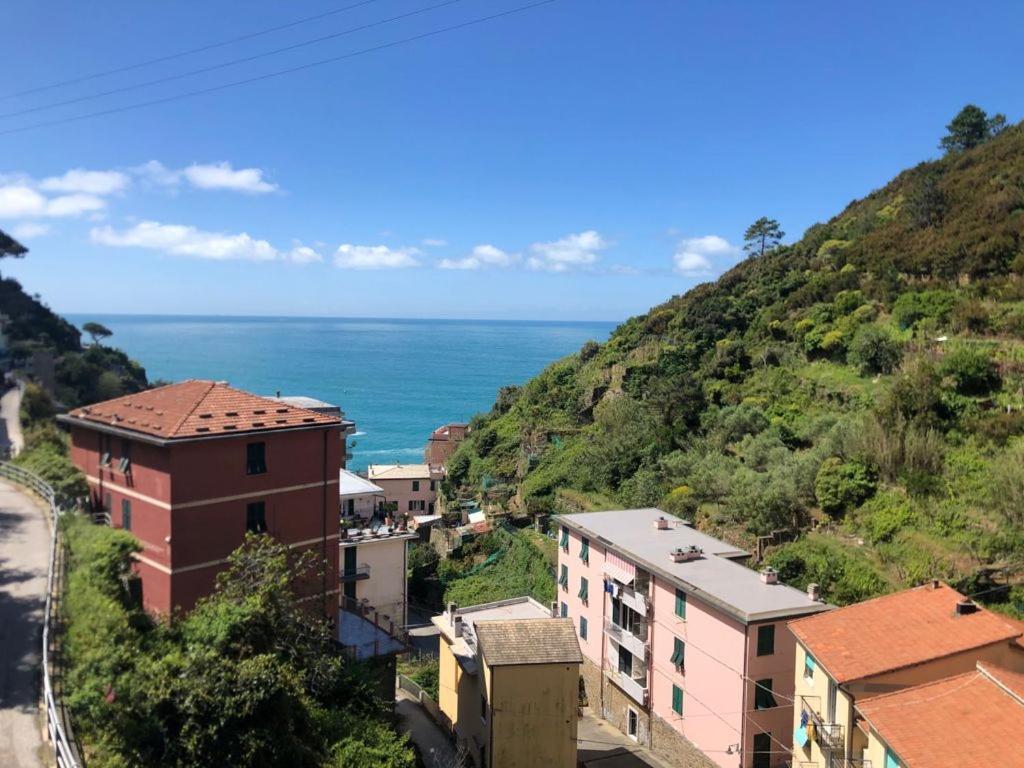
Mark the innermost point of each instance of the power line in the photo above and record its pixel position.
(280, 72)
(182, 54)
(224, 65)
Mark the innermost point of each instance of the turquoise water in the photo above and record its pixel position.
(398, 379)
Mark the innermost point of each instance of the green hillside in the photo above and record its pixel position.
(859, 391)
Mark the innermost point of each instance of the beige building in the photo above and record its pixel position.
(372, 572)
(412, 488)
(509, 684)
(850, 655)
(358, 497)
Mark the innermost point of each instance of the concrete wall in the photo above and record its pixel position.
(533, 715)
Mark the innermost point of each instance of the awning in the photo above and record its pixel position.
(619, 574)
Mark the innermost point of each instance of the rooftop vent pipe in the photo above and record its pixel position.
(814, 592)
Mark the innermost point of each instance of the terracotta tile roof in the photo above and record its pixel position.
(973, 720)
(896, 631)
(196, 408)
(528, 641)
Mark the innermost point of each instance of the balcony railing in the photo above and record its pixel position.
(829, 736)
(848, 762)
(634, 685)
(356, 573)
(635, 599)
(635, 642)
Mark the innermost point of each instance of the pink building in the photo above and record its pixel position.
(412, 488)
(686, 650)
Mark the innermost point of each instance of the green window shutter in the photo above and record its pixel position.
(891, 761)
(677, 699)
(678, 652)
(564, 543)
(809, 666)
(680, 604)
(583, 627)
(585, 551)
(563, 578)
(584, 590)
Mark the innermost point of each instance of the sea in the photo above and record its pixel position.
(397, 379)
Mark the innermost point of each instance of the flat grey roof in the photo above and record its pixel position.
(715, 577)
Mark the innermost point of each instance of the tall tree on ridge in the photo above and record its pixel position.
(972, 126)
(762, 236)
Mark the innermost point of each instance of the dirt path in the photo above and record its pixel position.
(24, 551)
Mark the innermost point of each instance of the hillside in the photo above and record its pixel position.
(860, 392)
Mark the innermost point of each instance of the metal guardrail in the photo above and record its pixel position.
(65, 749)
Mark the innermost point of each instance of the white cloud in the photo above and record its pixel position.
(30, 229)
(183, 240)
(485, 255)
(223, 176)
(570, 252)
(433, 242)
(698, 255)
(19, 201)
(375, 257)
(303, 254)
(157, 173)
(88, 182)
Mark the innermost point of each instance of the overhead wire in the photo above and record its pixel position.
(225, 64)
(280, 72)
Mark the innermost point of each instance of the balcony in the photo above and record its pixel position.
(363, 632)
(635, 642)
(634, 599)
(633, 685)
(844, 762)
(830, 736)
(356, 573)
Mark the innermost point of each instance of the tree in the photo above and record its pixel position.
(762, 236)
(875, 350)
(840, 486)
(971, 127)
(11, 247)
(97, 331)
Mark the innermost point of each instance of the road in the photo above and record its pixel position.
(24, 552)
(10, 421)
(434, 745)
(600, 745)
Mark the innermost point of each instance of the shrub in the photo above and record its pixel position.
(972, 369)
(911, 308)
(841, 486)
(884, 516)
(875, 350)
(36, 405)
(844, 575)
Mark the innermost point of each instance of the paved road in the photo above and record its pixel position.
(601, 745)
(24, 551)
(10, 421)
(433, 743)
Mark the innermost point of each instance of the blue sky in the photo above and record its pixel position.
(585, 159)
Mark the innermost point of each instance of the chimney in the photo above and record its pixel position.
(453, 609)
(769, 575)
(554, 610)
(814, 592)
(935, 583)
(965, 606)
(686, 554)
(661, 523)
(457, 625)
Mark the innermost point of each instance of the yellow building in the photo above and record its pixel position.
(850, 655)
(508, 684)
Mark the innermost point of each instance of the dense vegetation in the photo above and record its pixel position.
(249, 678)
(860, 391)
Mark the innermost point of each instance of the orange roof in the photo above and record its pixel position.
(968, 721)
(196, 408)
(896, 631)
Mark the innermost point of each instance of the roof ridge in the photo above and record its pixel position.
(195, 405)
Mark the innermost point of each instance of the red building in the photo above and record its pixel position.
(442, 443)
(190, 467)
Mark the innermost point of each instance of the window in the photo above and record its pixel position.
(625, 662)
(564, 611)
(766, 640)
(830, 707)
(350, 507)
(762, 750)
(584, 592)
(583, 627)
(891, 761)
(585, 551)
(483, 707)
(108, 505)
(430, 508)
(563, 577)
(125, 465)
(256, 517)
(678, 653)
(564, 543)
(632, 723)
(415, 485)
(433, 485)
(680, 604)
(763, 697)
(255, 458)
(126, 514)
(808, 667)
(417, 506)
(105, 450)
(677, 699)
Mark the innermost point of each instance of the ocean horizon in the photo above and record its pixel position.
(397, 378)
